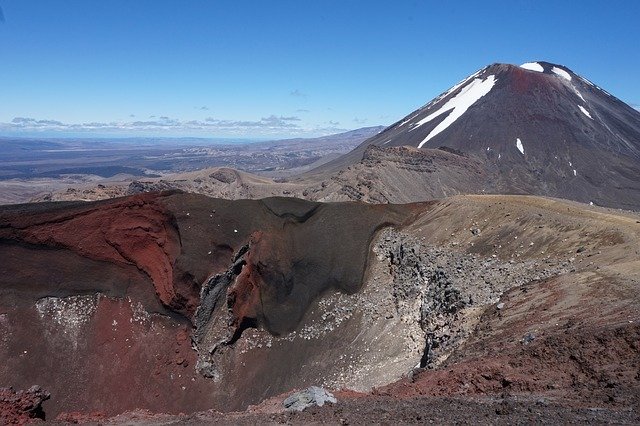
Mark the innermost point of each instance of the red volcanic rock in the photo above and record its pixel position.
(23, 406)
(137, 230)
(85, 287)
(583, 366)
(76, 417)
(244, 294)
(523, 81)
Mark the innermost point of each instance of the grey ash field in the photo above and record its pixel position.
(476, 261)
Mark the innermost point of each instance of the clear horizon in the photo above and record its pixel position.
(262, 70)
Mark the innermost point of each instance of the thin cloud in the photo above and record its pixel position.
(302, 110)
(272, 124)
(359, 120)
(203, 108)
(32, 122)
(328, 130)
(298, 94)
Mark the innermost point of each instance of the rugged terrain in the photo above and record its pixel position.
(36, 167)
(537, 129)
(384, 175)
(160, 304)
(514, 305)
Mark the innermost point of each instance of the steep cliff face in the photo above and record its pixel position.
(136, 231)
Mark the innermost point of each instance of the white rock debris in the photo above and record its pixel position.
(68, 314)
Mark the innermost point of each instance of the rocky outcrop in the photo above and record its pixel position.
(310, 397)
(21, 407)
(139, 187)
(441, 289)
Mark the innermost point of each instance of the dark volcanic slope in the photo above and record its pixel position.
(97, 299)
(539, 128)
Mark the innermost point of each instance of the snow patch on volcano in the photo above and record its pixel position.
(456, 86)
(520, 146)
(562, 73)
(458, 105)
(577, 93)
(585, 112)
(442, 96)
(532, 66)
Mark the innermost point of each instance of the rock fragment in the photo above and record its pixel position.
(309, 397)
(22, 406)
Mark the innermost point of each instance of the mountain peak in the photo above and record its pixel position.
(549, 68)
(538, 127)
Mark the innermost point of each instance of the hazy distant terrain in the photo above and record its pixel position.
(30, 167)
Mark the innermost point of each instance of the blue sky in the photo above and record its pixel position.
(263, 69)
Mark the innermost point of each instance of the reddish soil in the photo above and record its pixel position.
(524, 81)
(243, 297)
(89, 293)
(135, 230)
(22, 407)
(582, 367)
(96, 302)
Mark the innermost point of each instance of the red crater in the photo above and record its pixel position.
(136, 230)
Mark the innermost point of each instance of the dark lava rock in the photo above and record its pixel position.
(224, 175)
(528, 338)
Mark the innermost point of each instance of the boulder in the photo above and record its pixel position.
(309, 397)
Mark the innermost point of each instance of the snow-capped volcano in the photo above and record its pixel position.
(539, 103)
(539, 128)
